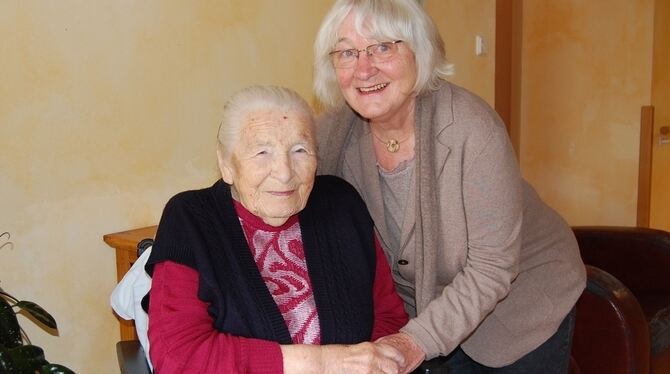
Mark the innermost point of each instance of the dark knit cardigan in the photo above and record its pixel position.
(201, 229)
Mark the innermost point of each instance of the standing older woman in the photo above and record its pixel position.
(489, 273)
(252, 274)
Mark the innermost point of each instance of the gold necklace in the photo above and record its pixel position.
(392, 145)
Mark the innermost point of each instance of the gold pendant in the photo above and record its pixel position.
(392, 146)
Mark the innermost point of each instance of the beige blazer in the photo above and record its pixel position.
(494, 268)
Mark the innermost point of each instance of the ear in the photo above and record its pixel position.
(224, 166)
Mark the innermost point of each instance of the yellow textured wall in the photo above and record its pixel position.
(586, 68)
(459, 22)
(107, 108)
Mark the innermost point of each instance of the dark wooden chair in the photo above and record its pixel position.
(131, 357)
(640, 259)
(611, 333)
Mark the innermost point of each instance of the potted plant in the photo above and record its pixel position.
(17, 354)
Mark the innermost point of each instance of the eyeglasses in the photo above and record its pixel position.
(380, 52)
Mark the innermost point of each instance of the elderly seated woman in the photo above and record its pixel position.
(271, 269)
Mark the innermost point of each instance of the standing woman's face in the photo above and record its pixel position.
(376, 91)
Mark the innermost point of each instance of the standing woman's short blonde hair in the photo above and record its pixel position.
(252, 99)
(383, 20)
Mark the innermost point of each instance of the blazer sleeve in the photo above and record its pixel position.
(183, 338)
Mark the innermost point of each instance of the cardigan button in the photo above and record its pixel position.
(403, 262)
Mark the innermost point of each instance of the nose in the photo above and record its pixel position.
(364, 67)
(281, 169)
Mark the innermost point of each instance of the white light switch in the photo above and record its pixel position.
(480, 45)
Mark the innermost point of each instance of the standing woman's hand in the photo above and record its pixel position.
(413, 354)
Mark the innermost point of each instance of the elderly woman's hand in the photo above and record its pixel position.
(412, 354)
(364, 358)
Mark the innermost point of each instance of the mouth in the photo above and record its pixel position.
(281, 193)
(372, 89)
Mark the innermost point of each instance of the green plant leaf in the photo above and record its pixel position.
(25, 359)
(38, 312)
(10, 331)
(8, 296)
(55, 369)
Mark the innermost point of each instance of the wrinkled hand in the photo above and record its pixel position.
(412, 353)
(366, 358)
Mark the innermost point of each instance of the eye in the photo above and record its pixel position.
(382, 48)
(348, 53)
(300, 149)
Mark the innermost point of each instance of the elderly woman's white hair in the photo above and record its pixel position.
(383, 20)
(252, 99)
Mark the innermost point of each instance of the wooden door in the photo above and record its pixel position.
(660, 99)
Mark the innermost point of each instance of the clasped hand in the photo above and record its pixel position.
(392, 354)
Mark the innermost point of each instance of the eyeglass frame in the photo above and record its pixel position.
(358, 52)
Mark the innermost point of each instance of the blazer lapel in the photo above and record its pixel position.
(442, 117)
(433, 115)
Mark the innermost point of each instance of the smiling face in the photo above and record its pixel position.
(272, 166)
(379, 92)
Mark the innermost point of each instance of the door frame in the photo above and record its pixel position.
(508, 65)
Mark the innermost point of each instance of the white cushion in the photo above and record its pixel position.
(127, 297)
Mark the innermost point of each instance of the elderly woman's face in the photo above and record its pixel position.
(273, 165)
(378, 92)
